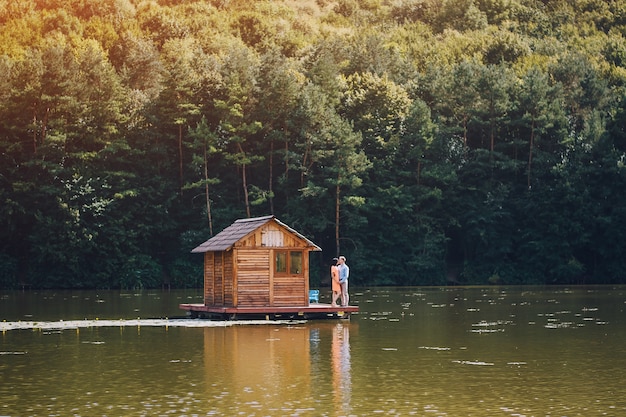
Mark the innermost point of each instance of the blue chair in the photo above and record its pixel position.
(314, 296)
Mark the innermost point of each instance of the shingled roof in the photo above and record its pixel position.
(225, 239)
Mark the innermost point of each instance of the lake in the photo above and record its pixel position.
(424, 351)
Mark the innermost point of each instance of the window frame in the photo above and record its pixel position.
(289, 256)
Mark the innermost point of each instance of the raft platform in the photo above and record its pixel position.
(314, 311)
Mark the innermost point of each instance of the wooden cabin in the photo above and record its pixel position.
(256, 262)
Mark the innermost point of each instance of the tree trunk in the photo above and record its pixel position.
(180, 157)
(271, 180)
(419, 171)
(44, 127)
(286, 167)
(530, 149)
(465, 130)
(245, 183)
(492, 137)
(305, 159)
(35, 131)
(206, 190)
(337, 211)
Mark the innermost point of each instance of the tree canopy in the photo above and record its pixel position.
(431, 142)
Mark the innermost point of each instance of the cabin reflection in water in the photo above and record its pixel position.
(260, 367)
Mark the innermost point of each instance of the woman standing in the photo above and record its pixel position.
(334, 279)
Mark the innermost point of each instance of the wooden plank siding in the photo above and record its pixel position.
(253, 277)
(229, 274)
(218, 281)
(291, 289)
(209, 277)
(270, 235)
(288, 292)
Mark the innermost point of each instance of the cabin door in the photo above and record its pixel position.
(289, 278)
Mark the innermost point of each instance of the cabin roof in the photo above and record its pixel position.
(225, 239)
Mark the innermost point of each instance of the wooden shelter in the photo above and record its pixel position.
(258, 266)
(256, 262)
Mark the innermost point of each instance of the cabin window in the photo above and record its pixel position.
(281, 262)
(295, 262)
(288, 262)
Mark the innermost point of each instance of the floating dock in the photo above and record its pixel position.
(313, 311)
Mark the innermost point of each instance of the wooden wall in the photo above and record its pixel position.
(244, 276)
(229, 278)
(271, 236)
(253, 272)
(291, 290)
(209, 277)
(218, 279)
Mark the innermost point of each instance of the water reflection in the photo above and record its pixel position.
(341, 369)
(257, 366)
(279, 370)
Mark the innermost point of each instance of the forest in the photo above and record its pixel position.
(431, 142)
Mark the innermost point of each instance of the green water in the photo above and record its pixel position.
(497, 351)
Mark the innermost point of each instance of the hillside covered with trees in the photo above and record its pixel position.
(429, 141)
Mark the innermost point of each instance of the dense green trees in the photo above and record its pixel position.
(431, 142)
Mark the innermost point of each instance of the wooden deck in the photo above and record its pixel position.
(314, 311)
